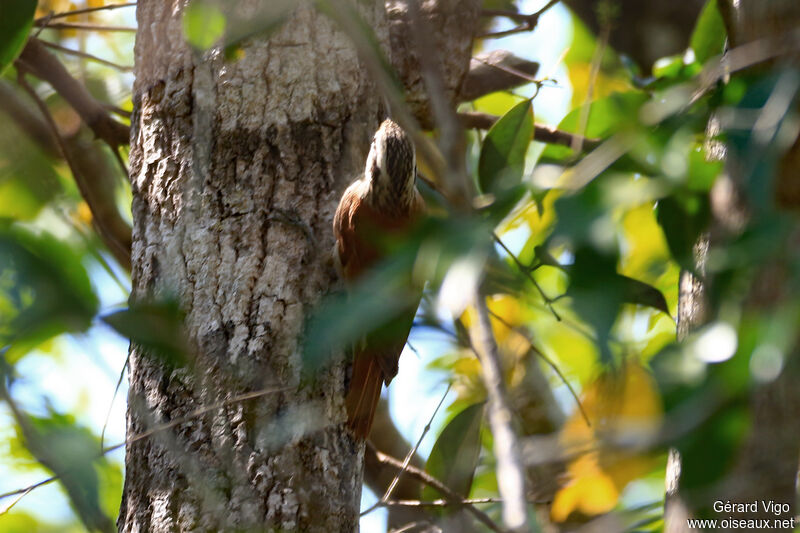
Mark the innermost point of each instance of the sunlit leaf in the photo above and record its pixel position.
(623, 406)
(708, 37)
(605, 117)
(203, 24)
(455, 454)
(502, 159)
(15, 25)
(52, 292)
(69, 451)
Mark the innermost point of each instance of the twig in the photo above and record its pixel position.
(547, 300)
(113, 397)
(44, 19)
(407, 460)
(431, 481)
(549, 362)
(413, 451)
(418, 525)
(498, 70)
(36, 59)
(541, 132)
(156, 429)
(85, 26)
(27, 120)
(16, 500)
(528, 22)
(510, 469)
(510, 70)
(110, 226)
(439, 503)
(88, 56)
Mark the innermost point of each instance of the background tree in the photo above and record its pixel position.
(553, 258)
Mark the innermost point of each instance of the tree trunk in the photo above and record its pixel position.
(236, 169)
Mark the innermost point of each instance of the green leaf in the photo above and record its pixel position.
(69, 451)
(15, 25)
(640, 293)
(157, 326)
(668, 67)
(203, 24)
(606, 116)
(502, 159)
(455, 454)
(683, 219)
(708, 37)
(48, 288)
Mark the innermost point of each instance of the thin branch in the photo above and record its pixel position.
(156, 429)
(63, 14)
(510, 468)
(418, 525)
(27, 120)
(439, 503)
(410, 455)
(549, 362)
(547, 300)
(113, 397)
(413, 451)
(528, 22)
(90, 57)
(505, 33)
(498, 70)
(541, 132)
(15, 501)
(114, 231)
(432, 482)
(36, 59)
(88, 26)
(521, 74)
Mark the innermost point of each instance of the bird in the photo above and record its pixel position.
(382, 203)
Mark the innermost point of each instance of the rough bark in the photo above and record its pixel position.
(236, 169)
(452, 24)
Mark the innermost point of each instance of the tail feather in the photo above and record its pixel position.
(365, 391)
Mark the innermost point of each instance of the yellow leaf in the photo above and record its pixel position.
(83, 213)
(623, 407)
(605, 84)
(590, 492)
(645, 243)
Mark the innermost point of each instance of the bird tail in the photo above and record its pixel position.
(365, 391)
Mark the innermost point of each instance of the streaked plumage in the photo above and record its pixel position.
(384, 201)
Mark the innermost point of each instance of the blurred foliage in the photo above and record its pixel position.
(578, 252)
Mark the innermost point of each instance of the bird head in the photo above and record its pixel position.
(391, 166)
